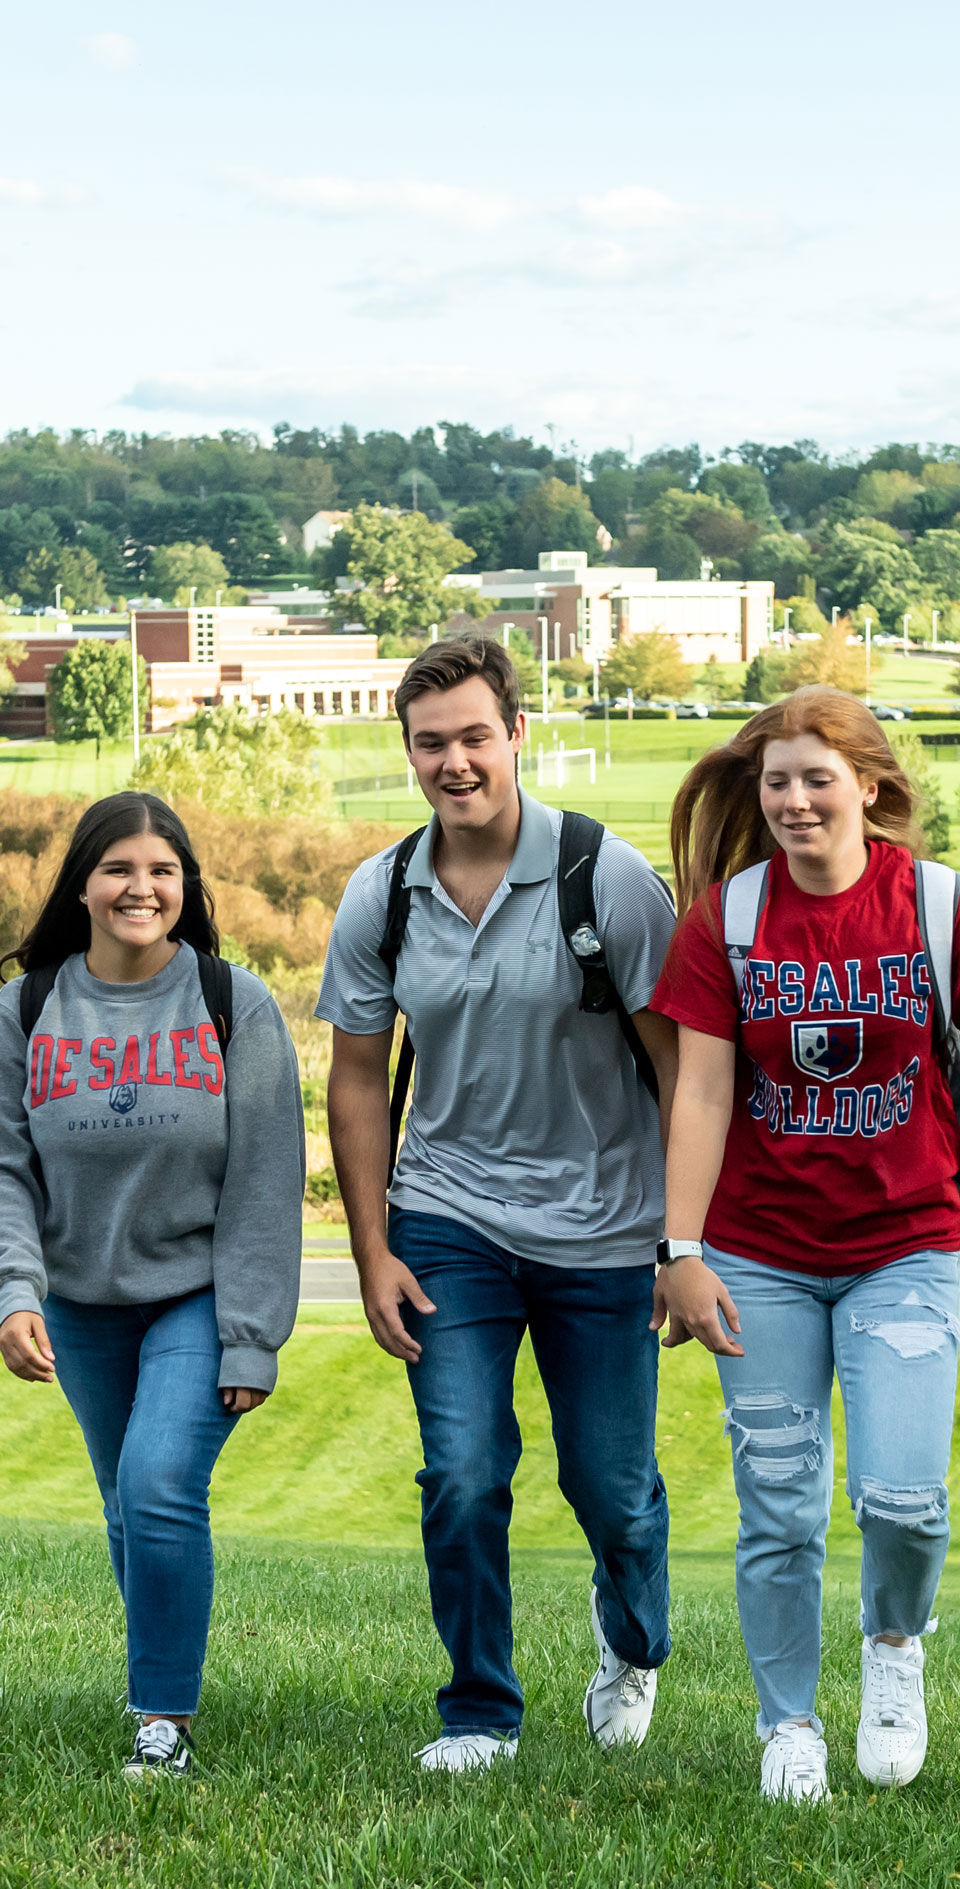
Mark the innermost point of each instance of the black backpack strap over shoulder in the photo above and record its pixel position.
(398, 901)
(216, 982)
(34, 991)
(580, 841)
(398, 911)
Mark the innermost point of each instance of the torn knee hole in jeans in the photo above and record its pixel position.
(906, 1508)
(911, 1329)
(776, 1439)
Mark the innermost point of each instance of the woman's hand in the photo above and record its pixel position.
(693, 1296)
(26, 1349)
(234, 1400)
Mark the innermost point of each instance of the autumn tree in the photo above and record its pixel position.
(650, 664)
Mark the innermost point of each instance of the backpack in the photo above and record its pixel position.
(216, 983)
(580, 839)
(937, 888)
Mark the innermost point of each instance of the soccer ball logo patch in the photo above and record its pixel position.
(828, 1050)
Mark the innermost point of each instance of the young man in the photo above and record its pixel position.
(528, 1194)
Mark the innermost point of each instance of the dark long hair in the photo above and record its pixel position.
(63, 924)
(718, 826)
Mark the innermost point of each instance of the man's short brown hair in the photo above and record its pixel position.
(446, 665)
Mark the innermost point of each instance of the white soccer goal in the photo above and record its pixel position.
(561, 764)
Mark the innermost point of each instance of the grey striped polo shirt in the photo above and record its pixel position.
(527, 1121)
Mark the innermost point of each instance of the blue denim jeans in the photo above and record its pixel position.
(598, 1362)
(141, 1381)
(891, 1335)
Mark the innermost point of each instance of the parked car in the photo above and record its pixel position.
(884, 711)
(692, 710)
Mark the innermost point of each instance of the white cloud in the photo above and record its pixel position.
(631, 207)
(354, 197)
(114, 51)
(26, 193)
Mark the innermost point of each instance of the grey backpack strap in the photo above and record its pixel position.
(937, 888)
(742, 899)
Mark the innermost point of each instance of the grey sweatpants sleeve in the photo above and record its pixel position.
(258, 1232)
(23, 1282)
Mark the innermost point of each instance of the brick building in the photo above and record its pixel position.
(202, 657)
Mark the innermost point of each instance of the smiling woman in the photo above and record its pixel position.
(149, 1228)
(811, 1194)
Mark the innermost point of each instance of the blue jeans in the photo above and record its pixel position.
(598, 1362)
(141, 1381)
(891, 1334)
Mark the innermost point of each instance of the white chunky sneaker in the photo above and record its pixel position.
(619, 1702)
(162, 1746)
(465, 1751)
(892, 1736)
(794, 1764)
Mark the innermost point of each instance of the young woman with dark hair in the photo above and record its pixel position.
(151, 1174)
(812, 1215)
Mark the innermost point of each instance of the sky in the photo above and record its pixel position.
(628, 225)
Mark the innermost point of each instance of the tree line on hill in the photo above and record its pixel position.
(107, 517)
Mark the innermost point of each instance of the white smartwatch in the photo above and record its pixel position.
(670, 1250)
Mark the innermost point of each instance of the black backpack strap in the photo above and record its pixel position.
(580, 840)
(398, 911)
(34, 991)
(216, 983)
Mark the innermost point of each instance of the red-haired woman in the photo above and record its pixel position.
(813, 1153)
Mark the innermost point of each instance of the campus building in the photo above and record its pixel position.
(200, 658)
(588, 607)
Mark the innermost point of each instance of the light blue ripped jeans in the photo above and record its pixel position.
(892, 1337)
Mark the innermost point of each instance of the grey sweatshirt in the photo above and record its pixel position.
(131, 1171)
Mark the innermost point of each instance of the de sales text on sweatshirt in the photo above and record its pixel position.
(137, 1164)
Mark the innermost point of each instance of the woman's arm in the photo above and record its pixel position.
(688, 1291)
(258, 1231)
(24, 1344)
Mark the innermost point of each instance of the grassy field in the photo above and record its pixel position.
(319, 1687)
(323, 1663)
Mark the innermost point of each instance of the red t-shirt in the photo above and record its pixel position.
(843, 1144)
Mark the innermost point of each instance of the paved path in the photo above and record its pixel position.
(328, 1273)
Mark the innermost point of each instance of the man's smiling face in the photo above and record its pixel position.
(462, 755)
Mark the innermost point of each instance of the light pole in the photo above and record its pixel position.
(193, 595)
(596, 680)
(786, 626)
(545, 709)
(835, 612)
(58, 588)
(934, 619)
(906, 624)
(867, 627)
(135, 680)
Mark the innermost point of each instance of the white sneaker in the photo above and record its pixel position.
(619, 1702)
(466, 1751)
(892, 1736)
(795, 1764)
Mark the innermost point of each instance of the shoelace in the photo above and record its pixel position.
(155, 1740)
(801, 1759)
(634, 1681)
(891, 1687)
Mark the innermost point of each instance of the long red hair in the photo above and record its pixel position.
(717, 827)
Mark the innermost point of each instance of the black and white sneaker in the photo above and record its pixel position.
(163, 1745)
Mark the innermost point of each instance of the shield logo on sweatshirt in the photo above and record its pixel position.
(828, 1050)
(123, 1097)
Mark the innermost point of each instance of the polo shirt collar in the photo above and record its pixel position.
(532, 861)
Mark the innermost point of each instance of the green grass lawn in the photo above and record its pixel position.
(323, 1663)
(69, 767)
(319, 1685)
